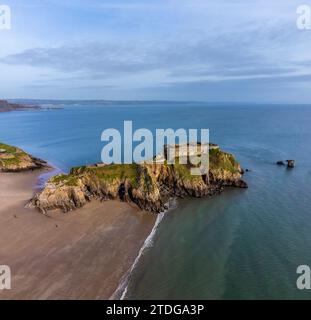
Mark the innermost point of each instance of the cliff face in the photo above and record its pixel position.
(13, 159)
(148, 185)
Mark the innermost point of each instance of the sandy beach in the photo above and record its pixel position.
(78, 255)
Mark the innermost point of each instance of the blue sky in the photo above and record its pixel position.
(207, 50)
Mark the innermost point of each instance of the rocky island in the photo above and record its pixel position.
(13, 159)
(6, 106)
(148, 185)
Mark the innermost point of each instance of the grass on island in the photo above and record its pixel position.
(10, 156)
(222, 160)
(107, 174)
(66, 179)
(217, 160)
(133, 173)
(184, 170)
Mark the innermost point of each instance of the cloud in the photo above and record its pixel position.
(176, 44)
(92, 57)
(210, 57)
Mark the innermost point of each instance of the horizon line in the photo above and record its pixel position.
(157, 101)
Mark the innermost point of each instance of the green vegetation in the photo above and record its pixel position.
(222, 160)
(138, 175)
(9, 149)
(217, 160)
(184, 171)
(68, 180)
(13, 159)
(107, 173)
(113, 172)
(10, 156)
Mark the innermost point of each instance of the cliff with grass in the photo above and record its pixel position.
(148, 185)
(13, 159)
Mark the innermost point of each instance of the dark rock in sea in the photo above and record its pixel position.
(280, 163)
(241, 184)
(290, 163)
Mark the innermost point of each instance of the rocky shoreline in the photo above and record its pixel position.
(149, 186)
(13, 159)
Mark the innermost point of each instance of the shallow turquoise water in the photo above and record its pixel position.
(243, 244)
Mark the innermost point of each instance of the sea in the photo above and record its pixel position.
(242, 244)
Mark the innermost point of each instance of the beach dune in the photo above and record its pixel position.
(78, 255)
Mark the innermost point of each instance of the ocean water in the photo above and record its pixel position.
(243, 244)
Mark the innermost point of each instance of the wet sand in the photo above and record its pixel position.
(77, 255)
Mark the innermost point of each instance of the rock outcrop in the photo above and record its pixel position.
(280, 163)
(290, 163)
(149, 185)
(13, 159)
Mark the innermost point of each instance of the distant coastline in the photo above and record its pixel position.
(106, 102)
(6, 106)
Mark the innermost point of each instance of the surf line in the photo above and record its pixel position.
(123, 286)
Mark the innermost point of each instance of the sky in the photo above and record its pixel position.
(202, 50)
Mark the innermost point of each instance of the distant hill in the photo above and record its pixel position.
(6, 106)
